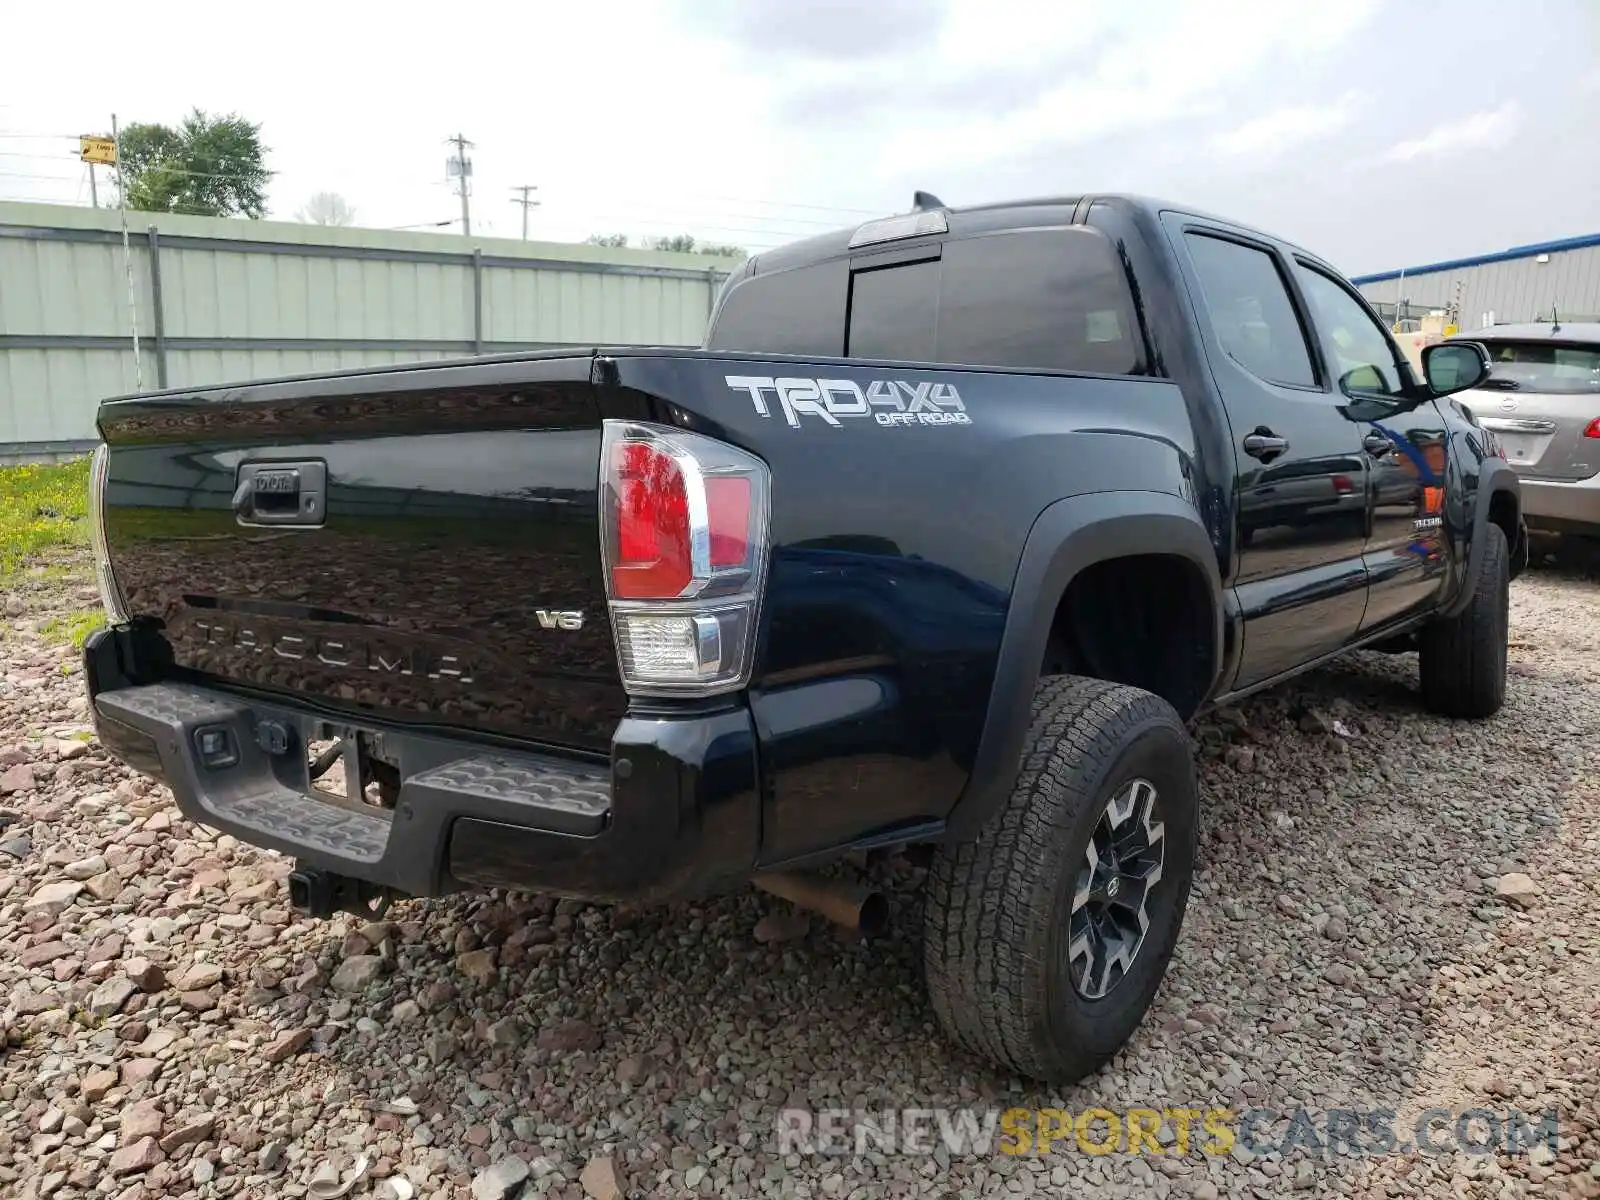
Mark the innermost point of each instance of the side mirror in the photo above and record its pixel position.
(1455, 366)
(1364, 379)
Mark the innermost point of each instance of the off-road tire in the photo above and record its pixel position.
(1463, 658)
(997, 907)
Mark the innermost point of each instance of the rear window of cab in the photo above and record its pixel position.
(1037, 299)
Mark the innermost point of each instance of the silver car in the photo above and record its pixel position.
(1542, 400)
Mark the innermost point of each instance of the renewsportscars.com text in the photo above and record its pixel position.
(1165, 1131)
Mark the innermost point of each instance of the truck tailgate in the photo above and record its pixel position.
(420, 544)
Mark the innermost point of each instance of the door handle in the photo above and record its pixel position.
(1264, 444)
(1376, 445)
(275, 493)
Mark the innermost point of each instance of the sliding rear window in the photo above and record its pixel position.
(1043, 299)
(1037, 299)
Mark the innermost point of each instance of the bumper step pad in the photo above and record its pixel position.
(268, 800)
(573, 799)
(308, 821)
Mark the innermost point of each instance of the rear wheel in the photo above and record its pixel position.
(1463, 658)
(1047, 935)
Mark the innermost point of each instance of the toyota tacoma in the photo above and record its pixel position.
(952, 526)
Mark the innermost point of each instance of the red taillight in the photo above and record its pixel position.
(1342, 485)
(684, 535)
(653, 552)
(728, 510)
(1592, 429)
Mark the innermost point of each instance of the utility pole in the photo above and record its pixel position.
(94, 192)
(459, 167)
(526, 204)
(127, 255)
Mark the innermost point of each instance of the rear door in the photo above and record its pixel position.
(1301, 477)
(1407, 553)
(1542, 399)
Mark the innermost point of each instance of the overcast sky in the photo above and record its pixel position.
(1379, 133)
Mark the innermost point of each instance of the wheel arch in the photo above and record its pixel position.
(1498, 499)
(1069, 538)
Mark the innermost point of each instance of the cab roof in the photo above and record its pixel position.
(971, 219)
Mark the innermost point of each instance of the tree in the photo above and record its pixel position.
(327, 208)
(210, 166)
(680, 243)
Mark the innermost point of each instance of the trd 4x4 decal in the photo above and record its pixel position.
(886, 401)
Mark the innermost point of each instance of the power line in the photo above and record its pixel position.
(860, 212)
(763, 203)
(233, 176)
(689, 213)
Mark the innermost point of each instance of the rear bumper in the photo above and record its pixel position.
(673, 812)
(1562, 507)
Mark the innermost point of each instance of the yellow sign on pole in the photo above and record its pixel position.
(93, 149)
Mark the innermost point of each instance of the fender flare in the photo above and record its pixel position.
(1067, 537)
(1495, 477)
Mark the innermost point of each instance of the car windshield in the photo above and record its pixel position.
(1544, 367)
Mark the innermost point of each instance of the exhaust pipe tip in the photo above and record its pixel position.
(850, 905)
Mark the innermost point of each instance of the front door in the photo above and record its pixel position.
(1407, 553)
(1301, 478)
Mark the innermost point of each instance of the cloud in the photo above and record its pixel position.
(845, 31)
(1148, 69)
(1284, 128)
(1480, 131)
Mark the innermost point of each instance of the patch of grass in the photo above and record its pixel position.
(75, 628)
(42, 508)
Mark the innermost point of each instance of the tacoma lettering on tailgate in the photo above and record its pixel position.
(348, 651)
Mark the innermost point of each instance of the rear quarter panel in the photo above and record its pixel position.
(894, 551)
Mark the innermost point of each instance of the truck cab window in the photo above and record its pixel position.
(799, 311)
(894, 312)
(1045, 300)
(1251, 311)
(1364, 358)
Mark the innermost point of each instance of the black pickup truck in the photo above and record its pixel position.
(953, 524)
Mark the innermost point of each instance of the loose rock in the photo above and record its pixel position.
(53, 898)
(570, 1035)
(500, 1180)
(1518, 889)
(354, 974)
(138, 1156)
(600, 1181)
(477, 965)
(111, 995)
(85, 868)
(141, 1120)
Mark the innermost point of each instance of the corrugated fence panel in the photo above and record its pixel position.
(566, 307)
(51, 395)
(254, 299)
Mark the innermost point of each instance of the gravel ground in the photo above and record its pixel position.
(1358, 938)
